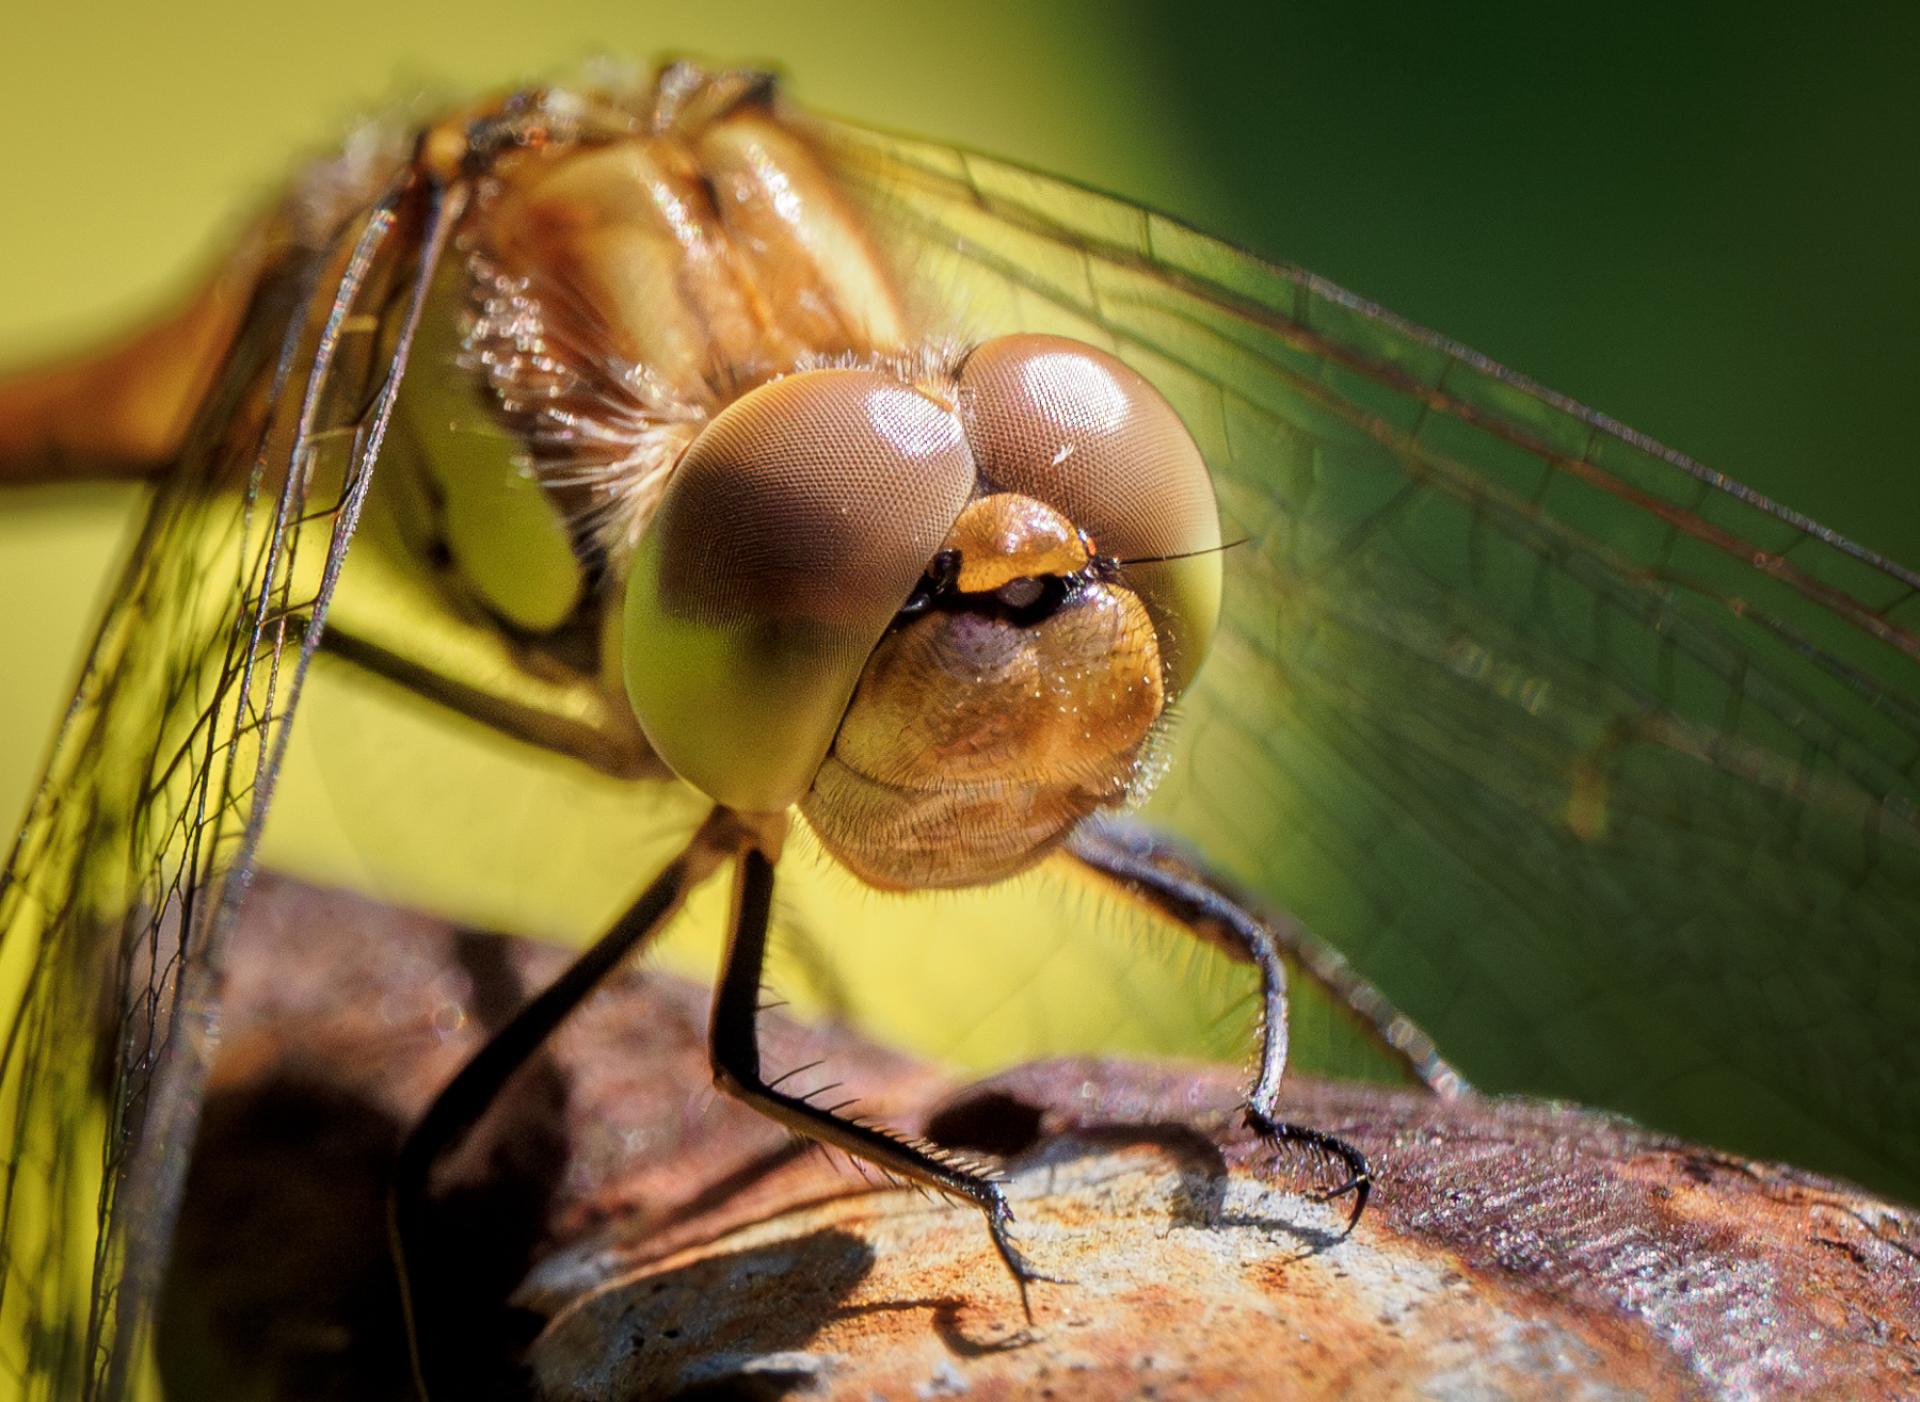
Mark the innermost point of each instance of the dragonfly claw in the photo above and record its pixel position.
(999, 1227)
(1329, 1148)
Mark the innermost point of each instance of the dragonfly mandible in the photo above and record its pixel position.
(1604, 766)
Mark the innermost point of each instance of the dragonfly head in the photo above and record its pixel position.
(944, 619)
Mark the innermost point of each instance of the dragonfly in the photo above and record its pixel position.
(1600, 764)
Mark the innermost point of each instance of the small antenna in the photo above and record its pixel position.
(1185, 554)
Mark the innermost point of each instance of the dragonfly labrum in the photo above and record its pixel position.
(840, 489)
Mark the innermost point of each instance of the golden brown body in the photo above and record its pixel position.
(628, 268)
(678, 307)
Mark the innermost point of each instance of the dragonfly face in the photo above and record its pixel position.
(1604, 766)
(864, 594)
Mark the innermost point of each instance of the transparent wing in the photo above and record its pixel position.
(1603, 767)
(115, 904)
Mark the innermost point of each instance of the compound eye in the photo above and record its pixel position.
(1071, 426)
(791, 532)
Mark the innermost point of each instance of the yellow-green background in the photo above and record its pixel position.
(1700, 223)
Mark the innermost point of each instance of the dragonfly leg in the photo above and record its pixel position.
(1144, 869)
(734, 1047)
(475, 1086)
(1150, 868)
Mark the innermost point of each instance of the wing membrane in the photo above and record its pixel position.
(1602, 766)
(115, 904)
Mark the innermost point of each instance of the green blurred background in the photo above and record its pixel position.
(1699, 223)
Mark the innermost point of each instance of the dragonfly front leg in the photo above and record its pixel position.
(734, 1048)
(1262, 1113)
(1135, 864)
